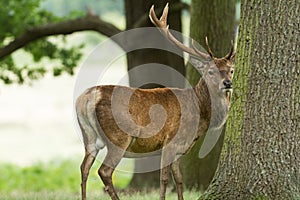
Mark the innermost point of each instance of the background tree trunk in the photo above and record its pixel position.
(135, 10)
(261, 156)
(216, 20)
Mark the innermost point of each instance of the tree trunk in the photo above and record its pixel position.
(260, 158)
(135, 10)
(216, 20)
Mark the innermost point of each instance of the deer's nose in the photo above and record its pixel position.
(227, 83)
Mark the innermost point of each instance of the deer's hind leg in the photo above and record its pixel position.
(92, 147)
(89, 158)
(112, 159)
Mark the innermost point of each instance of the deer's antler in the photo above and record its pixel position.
(208, 48)
(162, 24)
(231, 53)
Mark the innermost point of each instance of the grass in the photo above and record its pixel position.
(60, 180)
(63, 175)
(153, 195)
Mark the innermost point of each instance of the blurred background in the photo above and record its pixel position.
(38, 137)
(40, 150)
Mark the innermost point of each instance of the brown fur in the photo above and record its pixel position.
(139, 106)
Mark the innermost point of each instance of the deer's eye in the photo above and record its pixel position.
(231, 71)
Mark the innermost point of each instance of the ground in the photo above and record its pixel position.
(153, 195)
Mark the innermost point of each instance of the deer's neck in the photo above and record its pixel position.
(213, 105)
(204, 100)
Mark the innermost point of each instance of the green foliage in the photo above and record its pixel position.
(16, 16)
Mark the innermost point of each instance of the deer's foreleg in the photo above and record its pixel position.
(177, 178)
(164, 179)
(167, 158)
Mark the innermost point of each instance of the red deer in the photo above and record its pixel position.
(165, 119)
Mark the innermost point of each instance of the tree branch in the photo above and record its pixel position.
(89, 22)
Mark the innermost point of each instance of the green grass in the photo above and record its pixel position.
(60, 180)
(153, 195)
(63, 175)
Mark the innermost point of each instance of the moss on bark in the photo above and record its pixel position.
(260, 158)
(216, 20)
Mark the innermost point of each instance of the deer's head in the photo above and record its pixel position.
(217, 72)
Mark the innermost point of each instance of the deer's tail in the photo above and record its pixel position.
(87, 119)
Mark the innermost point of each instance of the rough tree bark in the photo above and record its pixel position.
(260, 157)
(216, 20)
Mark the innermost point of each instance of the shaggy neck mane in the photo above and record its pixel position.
(202, 93)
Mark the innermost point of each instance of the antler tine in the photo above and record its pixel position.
(208, 48)
(197, 50)
(162, 23)
(231, 53)
(165, 14)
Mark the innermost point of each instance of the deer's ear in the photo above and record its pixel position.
(198, 65)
